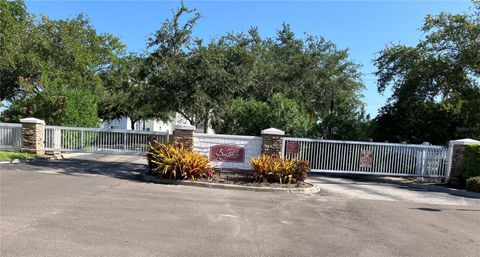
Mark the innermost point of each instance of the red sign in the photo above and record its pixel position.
(227, 153)
(293, 147)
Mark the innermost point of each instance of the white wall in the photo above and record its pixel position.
(123, 123)
(252, 145)
(151, 124)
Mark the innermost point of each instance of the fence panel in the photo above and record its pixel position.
(10, 136)
(98, 140)
(352, 157)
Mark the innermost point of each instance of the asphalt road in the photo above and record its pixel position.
(90, 207)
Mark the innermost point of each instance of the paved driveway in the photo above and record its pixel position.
(373, 188)
(87, 207)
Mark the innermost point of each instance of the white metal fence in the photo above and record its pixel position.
(10, 136)
(98, 140)
(353, 157)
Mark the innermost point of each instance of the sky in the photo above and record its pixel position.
(364, 27)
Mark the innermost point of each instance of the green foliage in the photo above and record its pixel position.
(168, 161)
(69, 52)
(201, 81)
(471, 162)
(248, 117)
(275, 169)
(126, 94)
(14, 22)
(56, 105)
(436, 93)
(242, 117)
(58, 58)
(15, 155)
(473, 184)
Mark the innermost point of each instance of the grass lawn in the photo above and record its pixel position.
(4, 155)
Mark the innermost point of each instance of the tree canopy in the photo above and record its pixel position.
(436, 90)
(201, 80)
(64, 57)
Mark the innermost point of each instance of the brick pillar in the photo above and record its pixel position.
(457, 147)
(33, 131)
(272, 141)
(183, 135)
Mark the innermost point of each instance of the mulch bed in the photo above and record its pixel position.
(244, 178)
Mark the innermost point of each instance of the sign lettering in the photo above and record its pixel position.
(227, 153)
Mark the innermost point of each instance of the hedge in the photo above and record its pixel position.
(471, 162)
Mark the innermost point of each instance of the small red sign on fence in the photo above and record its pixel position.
(293, 147)
(227, 153)
(366, 158)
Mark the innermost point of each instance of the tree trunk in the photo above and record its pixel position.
(132, 124)
(206, 121)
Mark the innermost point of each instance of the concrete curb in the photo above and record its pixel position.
(12, 161)
(311, 190)
(452, 191)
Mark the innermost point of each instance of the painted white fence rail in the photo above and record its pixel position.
(10, 136)
(352, 157)
(99, 140)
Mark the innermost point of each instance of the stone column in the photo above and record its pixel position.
(272, 141)
(183, 135)
(33, 131)
(457, 147)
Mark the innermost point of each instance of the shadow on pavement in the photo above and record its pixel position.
(439, 210)
(74, 167)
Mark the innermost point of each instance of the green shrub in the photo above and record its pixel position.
(471, 162)
(275, 169)
(168, 161)
(473, 184)
(55, 104)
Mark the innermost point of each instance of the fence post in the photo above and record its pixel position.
(183, 135)
(456, 162)
(82, 140)
(33, 133)
(125, 141)
(272, 141)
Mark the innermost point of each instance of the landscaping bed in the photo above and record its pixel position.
(236, 181)
(245, 178)
(169, 164)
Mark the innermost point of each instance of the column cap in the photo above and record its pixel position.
(184, 127)
(465, 141)
(273, 131)
(32, 120)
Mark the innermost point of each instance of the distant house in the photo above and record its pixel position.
(151, 125)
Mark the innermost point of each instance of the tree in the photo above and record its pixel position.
(249, 117)
(126, 93)
(14, 22)
(201, 80)
(53, 103)
(436, 94)
(68, 54)
(166, 65)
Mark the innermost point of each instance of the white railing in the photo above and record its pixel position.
(100, 140)
(10, 136)
(351, 157)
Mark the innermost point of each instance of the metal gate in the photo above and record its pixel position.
(352, 157)
(119, 141)
(10, 136)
